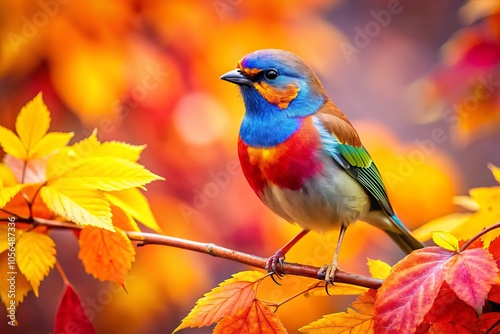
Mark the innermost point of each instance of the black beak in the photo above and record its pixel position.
(236, 77)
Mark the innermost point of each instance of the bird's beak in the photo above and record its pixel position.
(236, 77)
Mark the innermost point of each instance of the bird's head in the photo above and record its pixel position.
(276, 81)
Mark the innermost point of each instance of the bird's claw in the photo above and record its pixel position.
(275, 263)
(329, 274)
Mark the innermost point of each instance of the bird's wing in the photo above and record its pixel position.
(342, 142)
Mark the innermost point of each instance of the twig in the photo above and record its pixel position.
(229, 254)
(480, 234)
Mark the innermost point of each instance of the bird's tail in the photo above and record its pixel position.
(403, 237)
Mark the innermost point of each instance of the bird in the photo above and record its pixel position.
(303, 158)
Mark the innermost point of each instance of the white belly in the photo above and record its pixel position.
(324, 202)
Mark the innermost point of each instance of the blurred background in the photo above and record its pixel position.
(420, 81)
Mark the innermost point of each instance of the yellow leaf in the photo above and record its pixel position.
(7, 176)
(134, 203)
(91, 147)
(7, 193)
(359, 319)
(496, 171)
(32, 123)
(448, 223)
(108, 174)
(257, 318)
(81, 206)
(339, 289)
(35, 256)
(10, 273)
(120, 150)
(231, 296)
(445, 240)
(11, 143)
(378, 269)
(106, 255)
(49, 143)
(61, 162)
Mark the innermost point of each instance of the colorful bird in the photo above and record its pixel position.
(302, 156)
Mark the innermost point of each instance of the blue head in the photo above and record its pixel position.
(278, 89)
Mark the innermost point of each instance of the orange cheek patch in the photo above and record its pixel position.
(281, 98)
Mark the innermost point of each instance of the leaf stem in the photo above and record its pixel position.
(480, 234)
(61, 272)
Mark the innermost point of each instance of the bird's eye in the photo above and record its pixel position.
(271, 74)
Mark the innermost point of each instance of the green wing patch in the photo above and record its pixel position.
(356, 156)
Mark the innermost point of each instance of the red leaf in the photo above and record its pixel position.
(495, 250)
(70, 316)
(450, 314)
(471, 274)
(494, 294)
(478, 243)
(409, 291)
(490, 322)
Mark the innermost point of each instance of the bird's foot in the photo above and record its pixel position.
(275, 262)
(329, 273)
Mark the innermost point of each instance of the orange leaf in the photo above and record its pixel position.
(256, 318)
(106, 255)
(229, 298)
(358, 319)
(409, 291)
(471, 274)
(449, 314)
(71, 316)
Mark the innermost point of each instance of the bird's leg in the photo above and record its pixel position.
(332, 268)
(279, 257)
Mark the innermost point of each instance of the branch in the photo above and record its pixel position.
(229, 254)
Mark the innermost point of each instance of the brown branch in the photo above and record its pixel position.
(229, 254)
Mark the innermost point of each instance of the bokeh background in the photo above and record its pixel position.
(419, 79)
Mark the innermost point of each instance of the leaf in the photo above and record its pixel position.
(7, 193)
(35, 256)
(227, 299)
(339, 289)
(494, 294)
(410, 290)
(49, 143)
(378, 269)
(71, 317)
(446, 223)
(7, 176)
(494, 249)
(11, 143)
(31, 171)
(106, 255)
(134, 203)
(490, 323)
(10, 273)
(82, 206)
(445, 240)
(358, 319)
(449, 314)
(466, 202)
(108, 174)
(32, 123)
(257, 318)
(123, 220)
(91, 147)
(471, 274)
